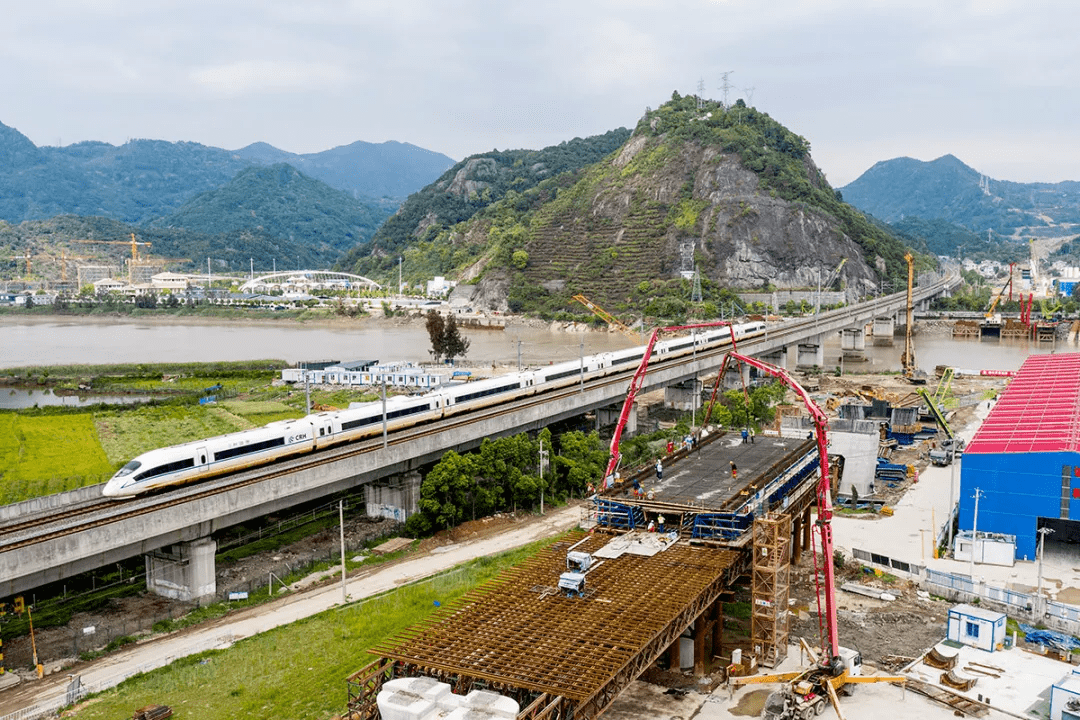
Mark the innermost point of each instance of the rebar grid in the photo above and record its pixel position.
(520, 631)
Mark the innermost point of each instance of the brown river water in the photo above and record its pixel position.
(65, 341)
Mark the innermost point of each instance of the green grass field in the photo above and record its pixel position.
(126, 433)
(45, 454)
(296, 671)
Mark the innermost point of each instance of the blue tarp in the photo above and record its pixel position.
(1049, 638)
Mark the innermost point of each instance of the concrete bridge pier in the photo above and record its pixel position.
(853, 343)
(395, 496)
(884, 329)
(184, 571)
(737, 376)
(779, 358)
(610, 416)
(810, 354)
(685, 396)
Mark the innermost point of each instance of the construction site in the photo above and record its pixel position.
(726, 519)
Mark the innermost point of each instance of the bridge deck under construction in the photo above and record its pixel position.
(703, 479)
(521, 633)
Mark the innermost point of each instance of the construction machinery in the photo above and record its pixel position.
(907, 360)
(635, 387)
(133, 243)
(607, 317)
(945, 451)
(804, 693)
(991, 316)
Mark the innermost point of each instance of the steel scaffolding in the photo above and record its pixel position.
(771, 586)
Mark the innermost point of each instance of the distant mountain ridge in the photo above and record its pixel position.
(359, 168)
(281, 201)
(947, 189)
(142, 180)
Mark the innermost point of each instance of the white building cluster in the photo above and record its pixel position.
(366, 373)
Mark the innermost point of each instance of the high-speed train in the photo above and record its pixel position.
(180, 464)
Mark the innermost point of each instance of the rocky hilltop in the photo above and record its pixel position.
(730, 192)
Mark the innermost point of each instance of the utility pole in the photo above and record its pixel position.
(581, 384)
(307, 390)
(519, 355)
(399, 274)
(1043, 532)
(384, 410)
(974, 535)
(341, 522)
(251, 261)
(543, 456)
(952, 495)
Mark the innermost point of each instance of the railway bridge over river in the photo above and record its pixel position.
(52, 538)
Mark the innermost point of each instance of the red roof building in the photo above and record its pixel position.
(1039, 410)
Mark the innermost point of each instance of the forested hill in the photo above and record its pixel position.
(469, 186)
(281, 202)
(142, 180)
(728, 191)
(947, 189)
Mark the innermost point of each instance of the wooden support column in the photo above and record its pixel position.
(806, 523)
(796, 540)
(718, 629)
(673, 656)
(701, 663)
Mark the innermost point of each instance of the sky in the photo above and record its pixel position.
(992, 82)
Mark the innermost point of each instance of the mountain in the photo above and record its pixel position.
(280, 202)
(470, 186)
(142, 180)
(728, 191)
(50, 241)
(949, 190)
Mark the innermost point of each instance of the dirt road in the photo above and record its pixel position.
(158, 651)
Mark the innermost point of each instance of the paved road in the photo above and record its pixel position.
(159, 651)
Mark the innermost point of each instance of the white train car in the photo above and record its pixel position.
(191, 461)
(236, 451)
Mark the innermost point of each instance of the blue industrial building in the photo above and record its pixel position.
(1024, 461)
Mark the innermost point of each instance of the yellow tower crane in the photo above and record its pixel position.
(133, 243)
(607, 317)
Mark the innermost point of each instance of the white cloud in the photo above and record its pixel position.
(248, 77)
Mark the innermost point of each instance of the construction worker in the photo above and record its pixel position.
(752, 434)
(660, 523)
(659, 469)
(745, 435)
(734, 471)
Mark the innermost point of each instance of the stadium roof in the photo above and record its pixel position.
(1038, 412)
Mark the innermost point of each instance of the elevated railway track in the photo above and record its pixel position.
(55, 544)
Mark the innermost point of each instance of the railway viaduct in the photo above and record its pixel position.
(173, 530)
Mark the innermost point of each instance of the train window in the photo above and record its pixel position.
(202, 459)
(166, 468)
(321, 432)
(129, 468)
(248, 449)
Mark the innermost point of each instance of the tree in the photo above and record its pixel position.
(453, 343)
(436, 328)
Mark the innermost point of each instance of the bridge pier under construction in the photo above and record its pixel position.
(645, 597)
